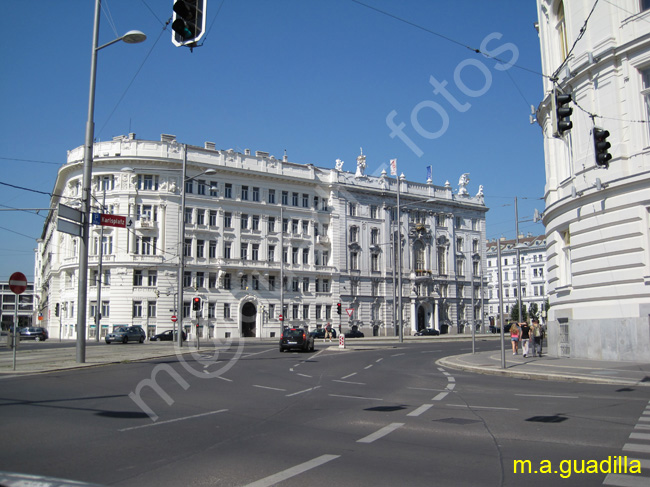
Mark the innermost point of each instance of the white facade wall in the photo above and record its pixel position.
(143, 180)
(597, 219)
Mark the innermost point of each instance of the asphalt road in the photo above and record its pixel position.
(252, 416)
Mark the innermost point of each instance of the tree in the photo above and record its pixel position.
(514, 313)
(534, 311)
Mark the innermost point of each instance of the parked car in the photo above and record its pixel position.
(320, 333)
(34, 333)
(126, 334)
(427, 332)
(354, 333)
(296, 339)
(167, 336)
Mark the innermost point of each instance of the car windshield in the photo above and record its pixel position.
(119, 329)
(293, 332)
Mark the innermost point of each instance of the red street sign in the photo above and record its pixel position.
(281, 317)
(174, 318)
(350, 311)
(18, 283)
(109, 220)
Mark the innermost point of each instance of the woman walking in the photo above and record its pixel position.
(525, 337)
(514, 338)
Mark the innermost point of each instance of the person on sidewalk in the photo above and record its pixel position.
(328, 333)
(514, 338)
(536, 336)
(525, 337)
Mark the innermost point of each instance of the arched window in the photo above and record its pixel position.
(418, 253)
(560, 27)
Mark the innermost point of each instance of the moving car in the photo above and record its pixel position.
(296, 339)
(427, 332)
(126, 334)
(320, 333)
(167, 336)
(34, 333)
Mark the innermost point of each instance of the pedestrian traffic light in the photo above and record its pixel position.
(561, 113)
(196, 304)
(338, 308)
(56, 309)
(601, 146)
(188, 24)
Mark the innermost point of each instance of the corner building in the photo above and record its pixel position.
(597, 217)
(264, 237)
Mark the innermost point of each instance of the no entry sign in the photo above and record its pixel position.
(18, 283)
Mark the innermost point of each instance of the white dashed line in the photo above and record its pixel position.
(420, 410)
(381, 433)
(357, 397)
(349, 375)
(440, 396)
(293, 471)
(300, 392)
(271, 388)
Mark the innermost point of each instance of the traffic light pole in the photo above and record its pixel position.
(181, 253)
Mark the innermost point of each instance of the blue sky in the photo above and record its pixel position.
(316, 78)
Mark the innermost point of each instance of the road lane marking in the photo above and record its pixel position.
(349, 375)
(450, 387)
(420, 410)
(381, 433)
(481, 407)
(623, 480)
(158, 423)
(640, 436)
(424, 389)
(349, 382)
(440, 396)
(271, 388)
(304, 375)
(548, 395)
(367, 367)
(379, 359)
(642, 426)
(300, 392)
(397, 354)
(293, 471)
(357, 397)
(451, 379)
(223, 378)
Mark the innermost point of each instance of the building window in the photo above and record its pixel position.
(256, 194)
(201, 187)
(294, 199)
(326, 285)
(256, 283)
(200, 279)
(212, 251)
(373, 212)
(227, 250)
(243, 222)
(137, 278)
(200, 217)
(374, 236)
(305, 256)
(561, 31)
(212, 310)
(295, 285)
(271, 197)
(305, 311)
(187, 247)
(294, 311)
(354, 261)
(213, 189)
(226, 281)
(152, 278)
(354, 234)
(137, 309)
(243, 251)
(243, 282)
(294, 226)
(228, 191)
(305, 227)
(213, 218)
(255, 251)
(200, 246)
(255, 222)
(285, 198)
(442, 260)
(305, 200)
(352, 209)
(151, 309)
(227, 220)
(374, 262)
(226, 310)
(244, 193)
(188, 215)
(147, 182)
(305, 284)
(271, 254)
(187, 279)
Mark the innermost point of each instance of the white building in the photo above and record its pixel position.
(331, 227)
(532, 282)
(597, 218)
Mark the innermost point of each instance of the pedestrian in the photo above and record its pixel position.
(514, 338)
(328, 332)
(534, 336)
(539, 338)
(525, 337)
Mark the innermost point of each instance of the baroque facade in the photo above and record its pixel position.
(260, 232)
(597, 215)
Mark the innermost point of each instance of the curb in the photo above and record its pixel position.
(450, 362)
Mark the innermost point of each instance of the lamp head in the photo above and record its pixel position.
(134, 37)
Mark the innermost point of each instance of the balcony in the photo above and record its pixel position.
(323, 240)
(146, 224)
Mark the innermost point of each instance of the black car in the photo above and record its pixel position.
(296, 339)
(34, 333)
(354, 333)
(167, 336)
(320, 333)
(427, 332)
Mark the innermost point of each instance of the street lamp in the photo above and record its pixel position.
(131, 37)
(181, 250)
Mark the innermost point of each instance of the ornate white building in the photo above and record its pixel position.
(532, 281)
(597, 218)
(330, 227)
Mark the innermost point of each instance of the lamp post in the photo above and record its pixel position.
(181, 253)
(131, 37)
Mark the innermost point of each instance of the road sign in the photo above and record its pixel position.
(174, 318)
(350, 311)
(69, 227)
(18, 283)
(108, 220)
(69, 213)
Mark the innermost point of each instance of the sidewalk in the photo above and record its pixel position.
(49, 359)
(552, 368)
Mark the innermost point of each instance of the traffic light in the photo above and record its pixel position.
(56, 309)
(196, 304)
(561, 113)
(188, 24)
(338, 308)
(600, 147)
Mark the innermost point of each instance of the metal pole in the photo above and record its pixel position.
(282, 266)
(85, 198)
(503, 350)
(98, 316)
(399, 267)
(471, 278)
(521, 311)
(15, 338)
(394, 250)
(181, 253)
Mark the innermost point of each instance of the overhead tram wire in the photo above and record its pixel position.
(454, 41)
